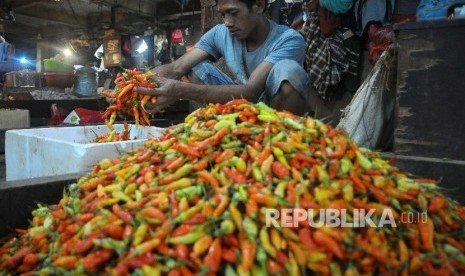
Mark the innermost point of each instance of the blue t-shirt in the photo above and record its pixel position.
(282, 43)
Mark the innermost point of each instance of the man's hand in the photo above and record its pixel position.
(166, 94)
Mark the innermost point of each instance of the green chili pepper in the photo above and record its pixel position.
(239, 164)
(404, 184)
(395, 203)
(345, 167)
(227, 227)
(250, 228)
(138, 194)
(265, 242)
(229, 123)
(363, 161)
(454, 252)
(261, 258)
(178, 184)
(130, 189)
(109, 243)
(231, 145)
(189, 192)
(139, 235)
(112, 134)
(183, 171)
(323, 176)
(189, 238)
(122, 196)
(293, 123)
(281, 188)
(335, 269)
(229, 271)
(189, 212)
(281, 135)
(267, 117)
(223, 179)
(279, 154)
(243, 192)
(257, 173)
(262, 107)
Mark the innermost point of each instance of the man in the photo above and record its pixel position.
(265, 59)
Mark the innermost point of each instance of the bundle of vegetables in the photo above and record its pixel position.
(114, 136)
(195, 202)
(126, 100)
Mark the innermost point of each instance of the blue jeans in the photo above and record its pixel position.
(284, 70)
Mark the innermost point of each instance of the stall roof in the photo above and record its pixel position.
(50, 19)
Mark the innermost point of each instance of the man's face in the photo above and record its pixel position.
(238, 18)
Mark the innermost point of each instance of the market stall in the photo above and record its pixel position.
(210, 196)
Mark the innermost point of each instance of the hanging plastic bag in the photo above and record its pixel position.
(435, 9)
(57, 115)
(176, 36)
(368, 118)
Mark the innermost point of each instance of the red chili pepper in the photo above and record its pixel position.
(207, 176)
(113, 230)
(201, 165)
(139, 261)
(234, 175)
(436, 204)
(279, 170)
(123, 215)
(144, 156)
(96, 258)
(326, 241)
(181, 251)
(231, 240)
(213, 258)
(181, 230)
(174, 204)
(225, 155)
(306, 238)
(229, 255)
(263, 155)
(281, 257)
(273, 267)
(196, 219)
(248, 252)
(426, 230)
(186, 149)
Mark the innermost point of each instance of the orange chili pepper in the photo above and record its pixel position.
(213, 258)
(426, 230)
(326, 241)
(181, 230)
(436, 204)
(248, 251)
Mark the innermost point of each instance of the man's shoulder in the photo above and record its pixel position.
(219, 28)
(284, 32)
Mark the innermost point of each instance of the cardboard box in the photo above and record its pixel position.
(12, 119)
(40, 152)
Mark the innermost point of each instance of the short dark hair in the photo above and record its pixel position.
(250, 3)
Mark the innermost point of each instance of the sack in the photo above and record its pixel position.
(179, 50)
(369, 118)
(368, 11)
(435, 9)
(176, 36)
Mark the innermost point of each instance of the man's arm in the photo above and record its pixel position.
(223, 93)
(171, 90)
(181, 66)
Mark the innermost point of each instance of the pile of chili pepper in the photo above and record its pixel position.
(114, 136)
(194, 202)
(126, 100)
